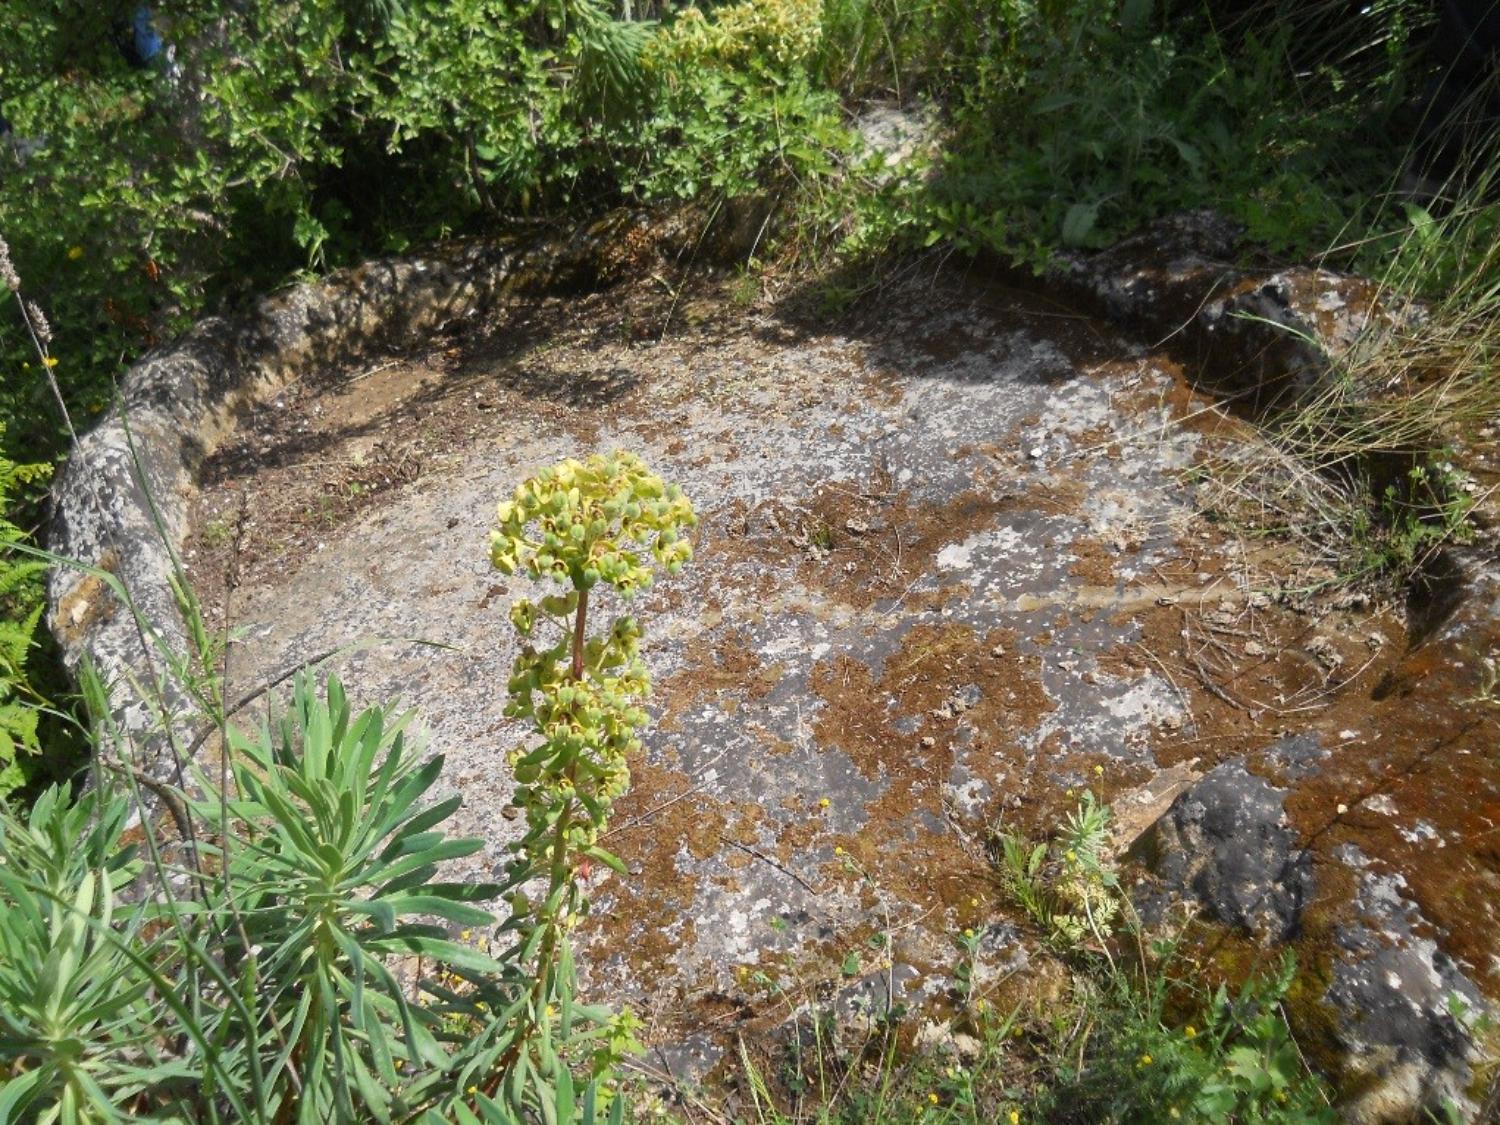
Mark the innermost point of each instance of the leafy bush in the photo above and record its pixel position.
(265, 993)
(737, 105)
(1235, 1060)
(21, 605)
(309, 134)
(1072, 122)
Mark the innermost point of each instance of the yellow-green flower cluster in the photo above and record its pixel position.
(781, 32)
(1086, 897)
(607, 519)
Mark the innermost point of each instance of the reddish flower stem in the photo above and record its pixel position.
(579, 623)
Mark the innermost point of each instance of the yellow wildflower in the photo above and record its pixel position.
(50, 361)
(933, 1098)
(1190, 1031)
(838, 849)
(1099, 770)
(1015, 1117)
(1145, 1060)
(823, 804)
(74, 253)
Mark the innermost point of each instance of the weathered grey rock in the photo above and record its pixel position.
(120, 505)
(1264, 340)
(1409, 1025)
(1157, 279)
(1260, 338)
(913, 674)
(897, 134)
(1297, 756)
(1409, 1019)
(928, 555)
(1225, 842)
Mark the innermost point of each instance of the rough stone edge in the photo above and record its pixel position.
(1257, 338)
(1253, 335)
(121, 503)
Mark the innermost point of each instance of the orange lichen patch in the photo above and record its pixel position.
(1410, 777)
(797, 835)
(734, 675)
(1052, 497)
(1095, 564)
(1124, 661)
(89, 602)
(736, 668)
(1099, 437)
(1359, 302)
(860, 546)
(1417, 791)
(650, 831)
(927, 679)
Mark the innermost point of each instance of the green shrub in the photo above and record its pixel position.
(736, 105)
(1069, 123)
(21, 605)
(266, 992)
(150, 195)
(1235, 1060)
(313, 133)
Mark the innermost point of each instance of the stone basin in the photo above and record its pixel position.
(912, 609)
(953, 567)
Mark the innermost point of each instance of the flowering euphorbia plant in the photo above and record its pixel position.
(605, 521)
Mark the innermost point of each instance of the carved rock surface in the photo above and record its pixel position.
(1261, 338)
(950, 567)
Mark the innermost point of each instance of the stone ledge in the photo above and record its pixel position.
(120, 505)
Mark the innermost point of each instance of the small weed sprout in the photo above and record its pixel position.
(1489, 681)
(217, 533)
(1066, 887)
(610, 521)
